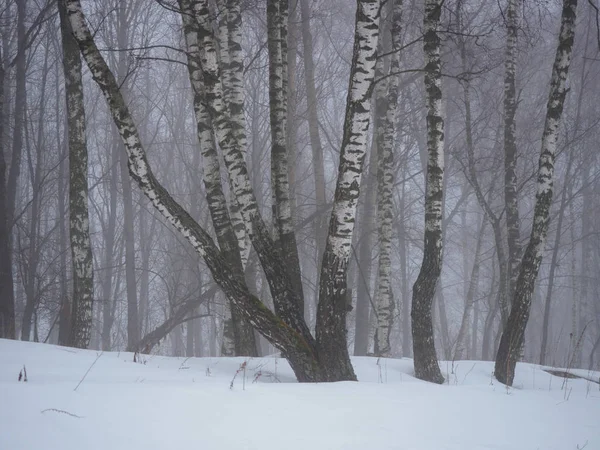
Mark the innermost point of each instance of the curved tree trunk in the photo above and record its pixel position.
(425, 357)
(332, 309)
(286, 329)
(512, 340)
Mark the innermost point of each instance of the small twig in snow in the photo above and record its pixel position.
(88, 371)
(62, 412)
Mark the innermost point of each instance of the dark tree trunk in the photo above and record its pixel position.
(425, 357)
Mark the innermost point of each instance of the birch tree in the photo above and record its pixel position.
(512, 340)
(81, 250)
(384, 299)
(326, 357)
(511, 199)
(425, 358)
(231, 245)
(277, 23)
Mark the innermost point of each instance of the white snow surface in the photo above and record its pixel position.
(185, 403)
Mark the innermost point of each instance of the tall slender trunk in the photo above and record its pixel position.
(64, 320)
(7, 297)
(313, 130)
(384, 299)
(462, 343)
(133, 332)
(286, 330)
(332, 309)
(36, 164)
(277, 23)
(364, 328)
(404, 257)
(511, 199)
(512, 340)
(238, 336)
(109, 248)
(425, 357)
(81, 248)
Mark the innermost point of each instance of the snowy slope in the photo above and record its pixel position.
(179, 403)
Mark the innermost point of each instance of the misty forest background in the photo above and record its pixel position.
(153, 293)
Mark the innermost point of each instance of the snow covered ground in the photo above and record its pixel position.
(178, 403)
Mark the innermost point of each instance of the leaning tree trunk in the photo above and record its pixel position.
(425, 357)
(286, 301)
(296, 346)
(240, 339)
(79, 229)
(511, 199)
(332, 309)
(512, 340)
(384, 299)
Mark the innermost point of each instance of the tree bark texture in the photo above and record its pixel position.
(425, 357)
(384, 299)
(333, 307)
(287, 330)
(511, 199)
(277, 22)
(237, 330)
(512, 340)
(79, 224)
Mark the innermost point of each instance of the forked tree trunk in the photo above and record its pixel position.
(287, 303)
(384, 299)
(512, 340)
(425, 357)
(238, 339)
(286, 330)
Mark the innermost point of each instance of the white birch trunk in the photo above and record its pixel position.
(511, 343)
(332, 308)
(79, 225)
(384, 300)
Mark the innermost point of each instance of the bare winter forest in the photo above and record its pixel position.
(315, 178)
